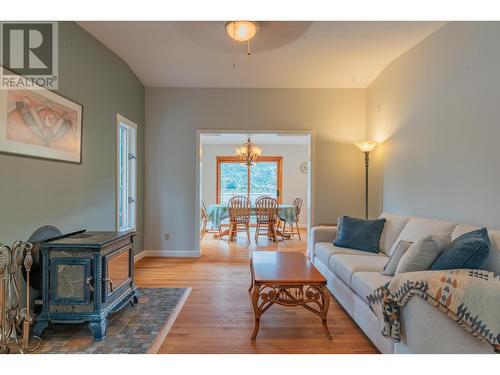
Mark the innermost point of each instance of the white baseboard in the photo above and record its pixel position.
(138, 257)
(301, 226)
(166, 253)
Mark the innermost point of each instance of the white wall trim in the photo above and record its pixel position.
(138, 257)
(312, 168)
(167, 253)
(121, 120)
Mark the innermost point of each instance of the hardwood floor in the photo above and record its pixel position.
(218, 317)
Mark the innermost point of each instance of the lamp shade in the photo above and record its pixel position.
(367, 145)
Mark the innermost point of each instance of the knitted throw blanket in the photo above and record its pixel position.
(469, 297)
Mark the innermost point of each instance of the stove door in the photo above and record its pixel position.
(117, 272)
(71, 282)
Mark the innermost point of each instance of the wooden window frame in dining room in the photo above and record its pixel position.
(235, 159)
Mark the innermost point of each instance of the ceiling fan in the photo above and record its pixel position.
(241, 31)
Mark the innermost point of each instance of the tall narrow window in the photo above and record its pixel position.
(126, 202)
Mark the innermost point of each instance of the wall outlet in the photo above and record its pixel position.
(167, 236)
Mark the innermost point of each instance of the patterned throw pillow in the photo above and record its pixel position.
(392, 263)
(359, 234)
(468, 251)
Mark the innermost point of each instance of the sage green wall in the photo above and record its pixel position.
(437, 109)
(34, 192)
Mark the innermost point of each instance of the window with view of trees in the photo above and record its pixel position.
(235, 178)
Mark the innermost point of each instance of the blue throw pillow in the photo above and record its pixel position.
(359, 234)
(468, 251)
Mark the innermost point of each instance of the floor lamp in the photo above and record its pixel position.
(366, 147)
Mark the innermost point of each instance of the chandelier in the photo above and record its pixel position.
(248, 153)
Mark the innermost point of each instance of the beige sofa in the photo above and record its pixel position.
(353, 274)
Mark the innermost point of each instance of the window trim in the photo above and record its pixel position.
(234, 159)
(123, 121)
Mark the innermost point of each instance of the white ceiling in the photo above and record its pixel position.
(258, 139)
(284, 54)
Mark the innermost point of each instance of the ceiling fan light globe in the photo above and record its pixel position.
(241, 31)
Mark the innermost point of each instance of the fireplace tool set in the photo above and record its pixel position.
(14, 319)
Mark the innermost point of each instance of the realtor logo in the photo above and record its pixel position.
(30, 50)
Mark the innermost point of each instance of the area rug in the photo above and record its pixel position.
(138, 329)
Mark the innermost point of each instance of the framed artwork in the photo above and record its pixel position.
(40, 123)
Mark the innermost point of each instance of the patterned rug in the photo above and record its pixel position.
(139, 329)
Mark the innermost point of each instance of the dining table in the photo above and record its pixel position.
(218, 212)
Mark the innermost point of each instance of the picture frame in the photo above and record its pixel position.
(37, 122)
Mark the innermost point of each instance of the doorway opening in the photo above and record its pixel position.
(283, 172)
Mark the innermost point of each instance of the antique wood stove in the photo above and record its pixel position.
(85, 276)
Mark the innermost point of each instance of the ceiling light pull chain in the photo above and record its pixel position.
(241, 31)
(234, 44)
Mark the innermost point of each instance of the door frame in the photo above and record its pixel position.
(121, 120)
(234, 159)
(311, 203)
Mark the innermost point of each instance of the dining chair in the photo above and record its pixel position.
(297, 204)
(265, 211)
(239, 217)
(224, 226)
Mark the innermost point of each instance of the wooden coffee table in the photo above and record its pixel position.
(287, 279)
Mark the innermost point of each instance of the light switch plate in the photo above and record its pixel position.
(167, 236)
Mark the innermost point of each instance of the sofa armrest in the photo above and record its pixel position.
(426, 330)
(320, 234)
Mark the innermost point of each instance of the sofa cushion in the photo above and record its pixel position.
(364, 283)
(392, 263)
(359, 234)
(493, 262)
(468, 251)
(392, 228)
(422, 253)
(462, 229)
(345, 265)
(418, 227)
(324, 250)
